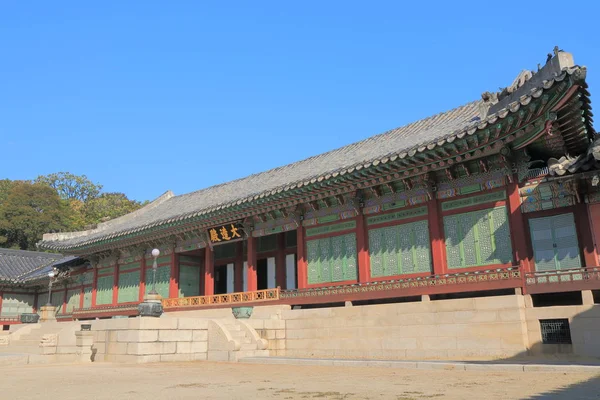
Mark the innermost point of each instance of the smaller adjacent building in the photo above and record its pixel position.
(24, 281)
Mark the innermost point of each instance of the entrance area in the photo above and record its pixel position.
(265, 272)
(224, 278)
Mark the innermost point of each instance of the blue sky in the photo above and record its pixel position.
(146, 96)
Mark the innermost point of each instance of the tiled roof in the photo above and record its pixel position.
(20, 265)
(399, 143)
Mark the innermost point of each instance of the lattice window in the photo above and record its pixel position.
(478, 238)
(189, 280)
(129, 287)
(73, 297)
(400, 249)
(332, 259)
(554, 241)
(555, 331)
(104, 290)
(14, 304)
(163, 277)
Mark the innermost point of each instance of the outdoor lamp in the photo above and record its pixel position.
(155, 254)
(51, 276)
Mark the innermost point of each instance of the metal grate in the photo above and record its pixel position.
(555, 331)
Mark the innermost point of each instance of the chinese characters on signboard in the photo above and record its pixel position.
(226, 233)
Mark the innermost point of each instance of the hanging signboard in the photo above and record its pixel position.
(226, 233)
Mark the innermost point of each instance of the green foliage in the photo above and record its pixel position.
(28, 211)
(52, 203)
(69, 186)
(108, 206)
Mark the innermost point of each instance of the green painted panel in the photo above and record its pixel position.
(159, 260)
(328, 218)
(391, 206)
(163, 277)
(470, 189)
(73, 297)
(87, 297)
(400, 249)
(474, 200)
(554, 241)
(129, 287)
(332, 259)
(478, 238)
(127, 267)
(189, 281)
(321, 230)
(190, 260)
(104, 290)
(399, 215)
(105, 271)
(58, 298)
(14, 304)
(87, 278)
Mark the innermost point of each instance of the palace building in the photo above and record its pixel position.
(497, 196)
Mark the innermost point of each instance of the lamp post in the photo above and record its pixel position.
(152, 304)
(155, 254)
(51, 276)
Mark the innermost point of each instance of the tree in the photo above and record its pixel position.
(5, 186)
(29, 211)
(70, 186)
(109, 206)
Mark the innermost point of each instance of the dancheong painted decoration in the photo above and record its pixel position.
(498, 194)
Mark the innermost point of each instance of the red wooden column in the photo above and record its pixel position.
(34, 302)
(251, 273)
(95, 286)
(209, 272)
(174, 279)
(115, 299)
(280, 261)
(142, 278)
(64, 305)
(586, 240)
(521, 246)
(81, 296)
(436, 237)
(362, 245)
(238, 267)
(301, 257)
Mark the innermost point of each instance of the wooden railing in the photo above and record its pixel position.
(566, 280)
(221, 299)
(13, 319)
(413, 286)
(106, 310)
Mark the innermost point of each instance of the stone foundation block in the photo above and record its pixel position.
(193, 323)
(116, 348)
(184, 347)
(152, 348)
(199, 347)
(175, 357)
(175, 336)
(274, 324)
(218, 355)
(200, 336)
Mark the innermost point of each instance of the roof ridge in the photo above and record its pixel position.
(367, 139)
(31, 253)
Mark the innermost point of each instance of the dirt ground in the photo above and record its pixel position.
(206, 380)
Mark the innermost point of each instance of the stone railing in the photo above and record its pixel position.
(415, 285)
(222, 299)
(13, 319)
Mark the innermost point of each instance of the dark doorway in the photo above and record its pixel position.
(221, 279)
(261, 272)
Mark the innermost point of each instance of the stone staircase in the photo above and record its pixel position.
(37, 341)
(239, 341)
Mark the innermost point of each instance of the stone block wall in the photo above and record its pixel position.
(584, 322)
(270, 325)
(474, 328)
(140, 340)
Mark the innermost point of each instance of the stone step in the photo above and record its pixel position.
(248, 346)
(232, 328)
(20, 350)
(237, 334)
(250, 353)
